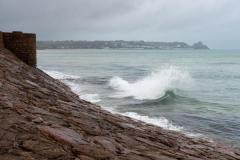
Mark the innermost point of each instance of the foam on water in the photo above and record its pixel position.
(153, 86)
(60, 75)
(158, 121)
(76, 88)
(164, 123)
(94, 98)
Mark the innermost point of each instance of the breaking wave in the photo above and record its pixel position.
(75, 87)
(61, 76)
(157, 87)
(153, 86)
(158, 121)
(164, 123)
(94, 98)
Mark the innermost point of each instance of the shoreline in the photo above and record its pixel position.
(160, 121)
(141, 118)
(41, 118)
(169, 126)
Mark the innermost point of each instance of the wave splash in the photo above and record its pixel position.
(76, 88)
(153, 86)
(94, 98)
(164, 123)
(61, 76)
(167, 77)
(160, 121)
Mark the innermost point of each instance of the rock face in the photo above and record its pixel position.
(41, 119)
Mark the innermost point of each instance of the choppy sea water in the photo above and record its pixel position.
(192, 91)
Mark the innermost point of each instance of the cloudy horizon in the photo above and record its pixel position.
(215, 22)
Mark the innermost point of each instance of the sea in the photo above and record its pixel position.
(196, 92)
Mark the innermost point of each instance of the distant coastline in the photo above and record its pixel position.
(118, 44)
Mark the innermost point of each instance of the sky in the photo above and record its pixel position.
(214, 22)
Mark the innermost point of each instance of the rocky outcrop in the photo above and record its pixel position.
(199, 45)
(41, 119)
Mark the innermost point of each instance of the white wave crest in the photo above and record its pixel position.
(94, 98)
(165, 124)
(152, 86)
(60, 75)
(160, 121)
(73, 86)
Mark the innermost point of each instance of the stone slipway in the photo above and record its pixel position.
(41, 119)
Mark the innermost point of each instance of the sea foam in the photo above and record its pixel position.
(60, 75)
(158, 121)
(153, 86)
(75, 87)
(94, 98)
(164, 123)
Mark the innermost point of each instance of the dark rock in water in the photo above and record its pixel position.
(199, 45)
(41, 119)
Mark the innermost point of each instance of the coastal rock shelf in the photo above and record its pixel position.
(42, 119)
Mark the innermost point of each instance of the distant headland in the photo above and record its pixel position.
(118, 44)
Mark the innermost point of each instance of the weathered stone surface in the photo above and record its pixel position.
(94, 151)
(41, 119)
(42, 147)
(84, 158)
(63, 135)
(108, 143)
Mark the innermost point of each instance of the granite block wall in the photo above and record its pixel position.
(23, 45)
(1, 40)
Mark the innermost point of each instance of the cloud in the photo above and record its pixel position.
(215, 22)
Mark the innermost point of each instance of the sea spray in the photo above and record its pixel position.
(60, 75)
(153, 86)
(169, 78)
(76, 88)
(158, 121)
(94, 98)
(165, 123)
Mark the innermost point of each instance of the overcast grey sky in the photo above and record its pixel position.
(215, 22)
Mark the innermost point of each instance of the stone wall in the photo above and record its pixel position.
(23, 45)
(1, 40)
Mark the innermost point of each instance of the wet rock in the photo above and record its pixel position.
(82, 157)
(106, 143)
(43, 148)
(38, 120)
(63, 135)
(126, 125)
(93, 151)
(11, 157)
(88, 126)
